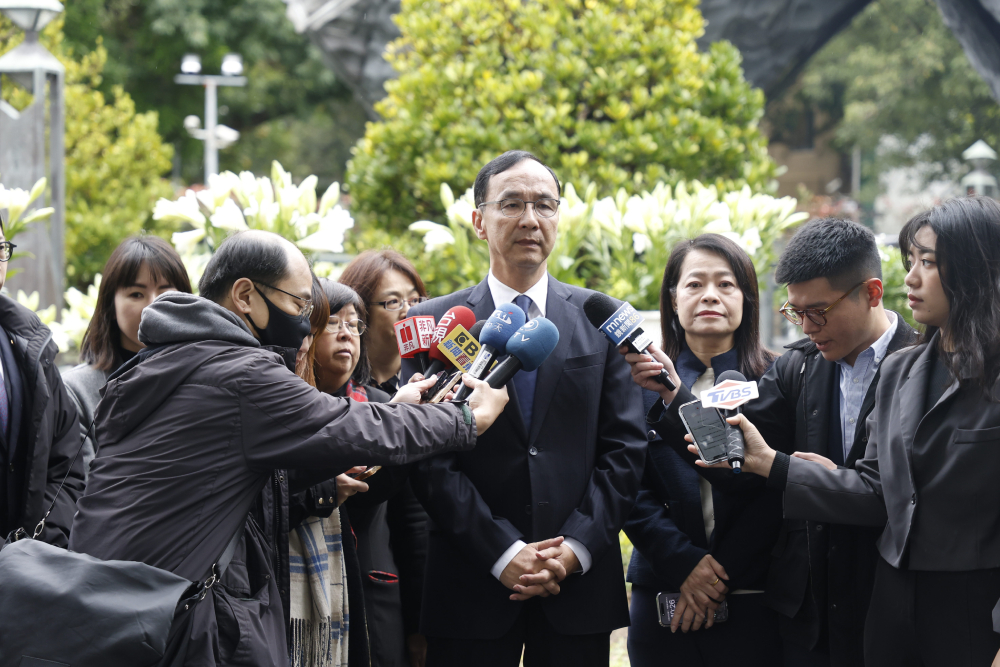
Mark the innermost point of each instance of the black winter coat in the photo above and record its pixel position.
(188, 438)
(821, 575)
(48, 433)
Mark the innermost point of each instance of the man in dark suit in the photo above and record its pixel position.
(537, 508)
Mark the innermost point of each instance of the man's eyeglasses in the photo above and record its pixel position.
(396, 304)
(353, 327)
(305, 305)
(514, 208)
(816, 315)
(6, 250)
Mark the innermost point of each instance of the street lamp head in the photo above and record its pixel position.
(31, 15)
(192, 122)
(232, 64)
(190, 63)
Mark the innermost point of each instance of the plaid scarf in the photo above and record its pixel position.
(319, 609)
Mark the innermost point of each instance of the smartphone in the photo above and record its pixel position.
(708, 429)
(446, 387)
(367, 472)
(442, 377)
(666, 605)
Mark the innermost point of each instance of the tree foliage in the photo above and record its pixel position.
(114, 156)
(285, 110)
(610, 92)
(898, 71)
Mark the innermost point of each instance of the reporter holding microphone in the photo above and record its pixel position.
(929, 472)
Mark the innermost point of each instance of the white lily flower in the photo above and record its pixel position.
(229, 216)
(186, 242)
(184, 210)
(641, 243)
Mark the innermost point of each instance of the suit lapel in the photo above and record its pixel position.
(912, 395)
(565, 316)
(481, 302)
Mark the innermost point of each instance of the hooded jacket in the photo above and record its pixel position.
(44, 432)
(190, 432)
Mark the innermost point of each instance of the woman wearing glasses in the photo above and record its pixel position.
(361, 572)
(388, 286)
(928, 476)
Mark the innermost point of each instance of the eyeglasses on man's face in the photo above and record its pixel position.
(354, 327)
(816, 315)
(6, 250)
(305, 305)
(396, 304)
(545, 207)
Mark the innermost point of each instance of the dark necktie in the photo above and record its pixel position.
(524, 382)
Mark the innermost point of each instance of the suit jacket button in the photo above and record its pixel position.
(527, 509)
(651, 435)
(533, 451)
(819, 526)
(913, 499)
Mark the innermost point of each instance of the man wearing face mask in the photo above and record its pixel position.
(210, 414)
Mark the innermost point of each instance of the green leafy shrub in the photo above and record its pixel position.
(613, 93)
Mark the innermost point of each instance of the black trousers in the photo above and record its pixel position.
(532, 633)
(748, 639)
(927, 619)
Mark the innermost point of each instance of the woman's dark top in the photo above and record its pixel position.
(667, 527)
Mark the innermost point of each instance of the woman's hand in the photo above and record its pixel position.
(822, 460)
(347, 486)
(410, 393)
(485, 402)
(758, 457)
(701, 594)
(645, 367)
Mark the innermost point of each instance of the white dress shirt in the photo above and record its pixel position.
(538, 293)
(855, 381)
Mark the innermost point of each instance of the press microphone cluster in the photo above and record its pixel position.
(459, 316)
(620, 323)
(506, 319)
(526, 350)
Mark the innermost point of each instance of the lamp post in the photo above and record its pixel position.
(979, 181)
(25, 138)
(232, 69)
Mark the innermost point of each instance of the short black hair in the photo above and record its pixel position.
(244, 255)
(500, 164)
(842, 251)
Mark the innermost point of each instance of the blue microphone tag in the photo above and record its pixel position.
(622, 324)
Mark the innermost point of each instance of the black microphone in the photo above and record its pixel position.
(619, 322)
(526, 350)
(735, 445)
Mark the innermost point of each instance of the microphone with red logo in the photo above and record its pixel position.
(413, 335)
(459, 315)
(506, 319)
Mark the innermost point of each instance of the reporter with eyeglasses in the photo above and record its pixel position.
(389, 286)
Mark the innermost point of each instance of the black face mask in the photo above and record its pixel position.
(282, 330)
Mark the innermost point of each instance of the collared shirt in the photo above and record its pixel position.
(538, 293)
(855, 381)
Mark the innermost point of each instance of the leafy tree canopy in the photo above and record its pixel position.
(897, 71)
(611, 92)
(285, 110)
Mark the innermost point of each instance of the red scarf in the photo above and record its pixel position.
(356, 393)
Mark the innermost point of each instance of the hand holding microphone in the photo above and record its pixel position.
(498, 329)
(620, 324)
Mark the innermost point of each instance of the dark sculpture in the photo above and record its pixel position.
(776, 37)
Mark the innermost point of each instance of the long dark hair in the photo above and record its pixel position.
(338, 296)
(317, 322)
(102, 340)
(968, 259)
(753, 358)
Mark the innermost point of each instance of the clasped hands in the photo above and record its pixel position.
(701, 594)
(538, 568)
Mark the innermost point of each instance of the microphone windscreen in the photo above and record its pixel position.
(533, 343)
(501, 325)
(477, 329)
(730, 375)
(599, 308)
(447, 323)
